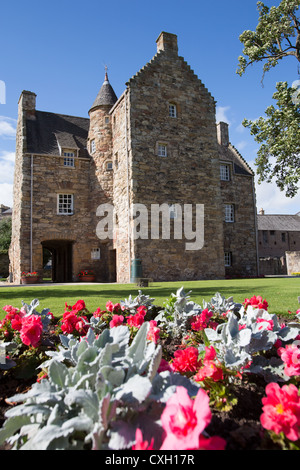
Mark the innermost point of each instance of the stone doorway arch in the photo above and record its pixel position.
(62, 259)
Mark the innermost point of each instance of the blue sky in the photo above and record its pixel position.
(58, 50)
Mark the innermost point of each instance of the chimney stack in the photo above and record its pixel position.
(223, 134)
(167, 42)
(27, 103)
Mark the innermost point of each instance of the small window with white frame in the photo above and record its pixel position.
(109, 165)
(228, 258)
(69, 159)
(172, 110)
(225, 172)
(65, 204)
(229, 212)
(162, 150)
(93, 146)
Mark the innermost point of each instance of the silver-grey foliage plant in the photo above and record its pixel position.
(99, 390)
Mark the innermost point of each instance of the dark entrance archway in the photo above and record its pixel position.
(62, 254)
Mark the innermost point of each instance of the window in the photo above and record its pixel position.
(109, 165)
(172, 110)
(283, 237)
(65, 204)
(162, 150)
(95, 253)
(68, 158)
(229, 213)
(228, 258)
(224, 172)
(106, 120)
(93, 146)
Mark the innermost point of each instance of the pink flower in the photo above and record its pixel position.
(116, 320)
(142, 310)
(291, 357)
(201, 321)
(186, 360)
(256, 302)
(265, 324)
(153, 333)
(135, 320)
(32, 329)
(139, 443)
(184, 419)
(109, 306)
(209, 370)
(281, 410)
(16, 322)
(81, 325)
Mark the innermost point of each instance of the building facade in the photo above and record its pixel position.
(149, 180)
(278, 234)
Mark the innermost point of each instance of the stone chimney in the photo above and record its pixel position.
(167, 42)
(261, 212)
(223, 134)
(27, 103)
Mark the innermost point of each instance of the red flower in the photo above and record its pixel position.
(80, 305)
(281, 410)
(186, 360)
(116, 321)
(201, 321)
(32, 329)
(256, 302)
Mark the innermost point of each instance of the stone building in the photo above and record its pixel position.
(278, 234)
(147, 186)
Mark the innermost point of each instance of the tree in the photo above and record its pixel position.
(277, 36)
(5, 235)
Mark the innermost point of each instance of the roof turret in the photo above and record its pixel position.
(106, 95)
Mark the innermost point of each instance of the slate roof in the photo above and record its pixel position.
(231, 154)
(49, 130)
(106, 95)
(284, 223)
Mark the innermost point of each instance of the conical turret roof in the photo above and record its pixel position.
(106, 95)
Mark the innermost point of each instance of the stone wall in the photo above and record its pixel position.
(190, 172)
(293, 262)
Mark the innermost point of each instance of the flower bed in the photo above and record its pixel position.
(132, 375)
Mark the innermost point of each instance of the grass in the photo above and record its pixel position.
(281, 293)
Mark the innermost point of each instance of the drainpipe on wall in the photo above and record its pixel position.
(128, 199)
(255, 222)
(31, 205)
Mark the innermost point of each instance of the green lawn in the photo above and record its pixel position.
(281, 293)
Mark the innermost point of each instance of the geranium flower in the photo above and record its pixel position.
(116, 320)
(80, 305)
(184, 419)
(140, 444)
(32, 329)
(256, 302)
(153, 333)
(210, 368)
(186, 360)
(281, 410)
(201, 321)
(291, 357)
(135, 320)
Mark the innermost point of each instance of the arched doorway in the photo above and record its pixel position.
(61, 257)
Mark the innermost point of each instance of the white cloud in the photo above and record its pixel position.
(6, 194)
(273, 201)
(7, 127)
(221, 114)
(7, 160)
